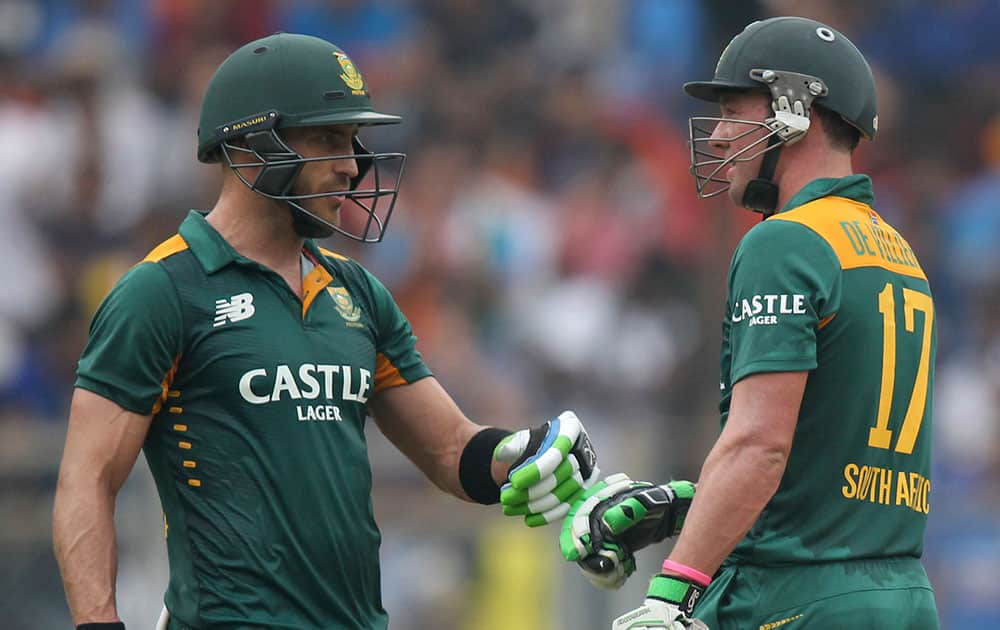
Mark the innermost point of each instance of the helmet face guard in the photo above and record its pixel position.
(368, 201)
(708, 164)
(792, 95)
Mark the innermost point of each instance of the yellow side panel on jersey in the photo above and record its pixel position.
(168, 380)
(857, 234)
(386, 374)
(169, 247)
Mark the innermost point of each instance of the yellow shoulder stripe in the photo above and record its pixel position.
(857, 234)
(327, 252)
(169, 247)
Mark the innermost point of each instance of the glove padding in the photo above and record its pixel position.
(669, 603)
(551, 467)
(616, 518)
(605, 562)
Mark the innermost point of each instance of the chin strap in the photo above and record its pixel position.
(761, 193)
(792, 95)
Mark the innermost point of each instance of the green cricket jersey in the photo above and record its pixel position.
(257, 443)
(826, 285)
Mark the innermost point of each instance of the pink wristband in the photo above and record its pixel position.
(685, 571)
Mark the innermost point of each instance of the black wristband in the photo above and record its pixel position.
(101, 625)
(474, 468)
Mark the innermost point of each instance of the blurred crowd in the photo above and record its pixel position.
(547, 246)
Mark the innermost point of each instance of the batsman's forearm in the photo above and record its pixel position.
(83, 533)
(441, 461)
(737, 481)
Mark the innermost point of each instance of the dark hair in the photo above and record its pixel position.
(842, 134)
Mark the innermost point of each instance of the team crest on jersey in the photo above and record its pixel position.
(350, 311)
(351, 77)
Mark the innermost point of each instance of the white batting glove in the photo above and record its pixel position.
(668, 603)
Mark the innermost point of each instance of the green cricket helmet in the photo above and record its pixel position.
(284, 81)
(799, 62)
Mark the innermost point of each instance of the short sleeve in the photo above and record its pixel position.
(785, 280)
(135, 340)
(397, 360)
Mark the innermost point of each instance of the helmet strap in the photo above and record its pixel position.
(761, 193)
(792, 95)
(272, 179)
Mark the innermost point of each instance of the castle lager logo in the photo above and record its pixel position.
(759, 310)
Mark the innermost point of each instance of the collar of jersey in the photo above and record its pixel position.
(855, 187)
(213, 251)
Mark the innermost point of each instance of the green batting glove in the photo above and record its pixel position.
(645, 514)
(549, 499)
(551, 467)
(616, 518)
(606, 563)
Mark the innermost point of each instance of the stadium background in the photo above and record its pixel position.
(547, 246)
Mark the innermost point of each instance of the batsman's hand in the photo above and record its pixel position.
(668, 603)
(606, 563)
(551, 467)
(618, 517)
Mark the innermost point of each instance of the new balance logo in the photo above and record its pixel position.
(235, 309)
